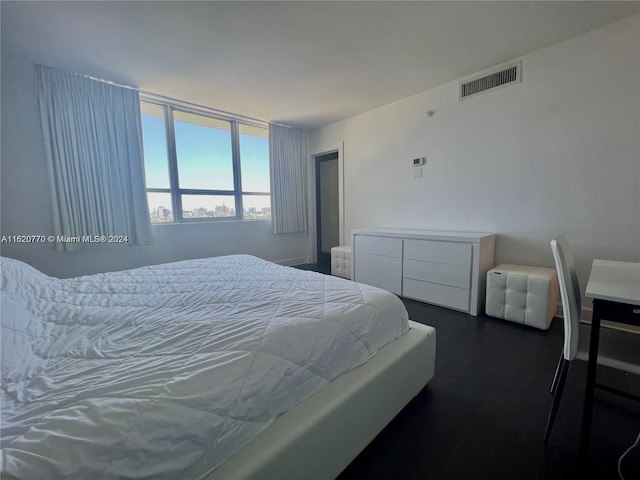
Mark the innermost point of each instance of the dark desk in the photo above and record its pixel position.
(615, 290)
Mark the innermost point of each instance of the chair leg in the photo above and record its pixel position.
(559, 387)
(554, 384)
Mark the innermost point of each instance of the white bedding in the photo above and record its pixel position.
(166, 371)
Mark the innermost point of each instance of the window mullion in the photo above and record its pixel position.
(199, 191)
(237, 176)
(176, 199)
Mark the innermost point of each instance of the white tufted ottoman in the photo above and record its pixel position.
(522, 294)
(341, 261)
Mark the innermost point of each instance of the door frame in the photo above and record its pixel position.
(321, 256)
(314, 211)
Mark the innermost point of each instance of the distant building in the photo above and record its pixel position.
(200, 212)
(223, 211)
(161, 214)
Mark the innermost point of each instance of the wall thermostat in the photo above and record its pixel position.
(418, 161)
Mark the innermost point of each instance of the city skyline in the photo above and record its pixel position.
(162, 214)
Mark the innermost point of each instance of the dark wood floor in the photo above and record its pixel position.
(483, 414)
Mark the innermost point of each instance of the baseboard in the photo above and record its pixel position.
(586, 314)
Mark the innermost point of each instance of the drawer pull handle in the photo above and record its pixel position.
(636, 310)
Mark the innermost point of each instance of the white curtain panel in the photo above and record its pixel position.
(287, 157)
(93, 142)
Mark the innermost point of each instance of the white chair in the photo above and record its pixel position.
(617, 349)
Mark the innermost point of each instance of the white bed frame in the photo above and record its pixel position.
(318, 438)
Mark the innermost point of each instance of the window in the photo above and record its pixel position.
(202, 166)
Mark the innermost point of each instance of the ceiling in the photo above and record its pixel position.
(301, 63)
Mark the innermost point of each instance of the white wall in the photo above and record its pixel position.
(557, 153)
(25, 203)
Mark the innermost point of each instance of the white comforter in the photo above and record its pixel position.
(166, 371)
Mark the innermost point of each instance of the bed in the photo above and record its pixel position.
(218, 368)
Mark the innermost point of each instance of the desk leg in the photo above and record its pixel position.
(587, 413)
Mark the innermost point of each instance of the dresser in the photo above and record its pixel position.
(443, 268)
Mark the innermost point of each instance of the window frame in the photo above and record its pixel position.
(169, 107)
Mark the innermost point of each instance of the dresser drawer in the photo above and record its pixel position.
(378, 263)
(386, 281)
(444, 295)
(445, 274)
(452, 253)
(388, 246)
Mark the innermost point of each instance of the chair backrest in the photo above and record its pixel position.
(570, 294)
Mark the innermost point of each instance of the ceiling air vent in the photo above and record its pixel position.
(498, 78)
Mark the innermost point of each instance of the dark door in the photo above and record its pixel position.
(327, 206)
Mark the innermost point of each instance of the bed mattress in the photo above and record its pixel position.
(166, 371)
